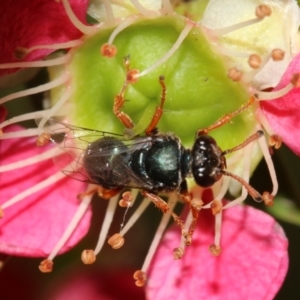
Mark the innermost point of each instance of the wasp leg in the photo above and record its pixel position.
(102, 192)
(164, 207)
(119, 99)
(159, 109)
(195, 207)
(226, 118)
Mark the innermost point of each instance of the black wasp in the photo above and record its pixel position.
(154, 163)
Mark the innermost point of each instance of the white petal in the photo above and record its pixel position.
(277, 31)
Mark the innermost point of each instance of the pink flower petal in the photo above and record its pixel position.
(27, 23)
(283, 113)
(252, 265)
(33, 226)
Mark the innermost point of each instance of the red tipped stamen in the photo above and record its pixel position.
(116, 241)
(263, 11)
(46, 266)
(108, 50)
(215, 250)
(88, 257)
(140, 278)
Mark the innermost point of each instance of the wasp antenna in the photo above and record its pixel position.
(249, 140)
(252, 192)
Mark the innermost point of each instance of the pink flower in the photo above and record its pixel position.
(252, 265)
(52, 199)
(46, 212)
(26, 24)
(283, 112)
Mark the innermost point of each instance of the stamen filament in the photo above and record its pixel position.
(143, 10)
(218, 228)
(41, 185)
(34, 64)
(274, 95)
(21, 133)
(69, 44)
(127, 22)
(247, 151)
(51, 112)
(88, 30)
(29, 116)
(110, 211)
(167, 8)
(266, 153)
(110, 18)
(31, 160)
(81, 210)
(159, 232)
(187, 224)
(229, 29)
(182, 36)
(138, 212)
(41, 88)
(247, 77)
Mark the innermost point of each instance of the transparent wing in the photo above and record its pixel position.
(76, 141)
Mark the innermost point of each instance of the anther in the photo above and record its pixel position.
(43, 139)
(197, 203)
(108, 50)
(1, 213)
(216, 207)
(215, 250)
(20, 52)
(46, 266)
(140, 278)
(296, 80)
(268, 199)
(275, 141)
(126, 200)
(88, 256)
(178, 253)
(132, 76)
(277, 54)
(254, 61)
(234, 74)
(263, 11)
(116, 241)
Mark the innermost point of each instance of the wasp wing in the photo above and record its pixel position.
(76, 141)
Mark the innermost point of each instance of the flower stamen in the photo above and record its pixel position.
(140, 278)
(39, 89)
(46, 266)
(116, 241)
(21, 52)
(109, 18)
(143, 10)
(188, 27)
(81, 210)
(265, 150)
(261, 12)
(166, 8)
(42, 63)
(31, 160)
(110, 211)
(126, 23)
(140, 275)
(41, 185)
(88, 30)
(88, 257)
